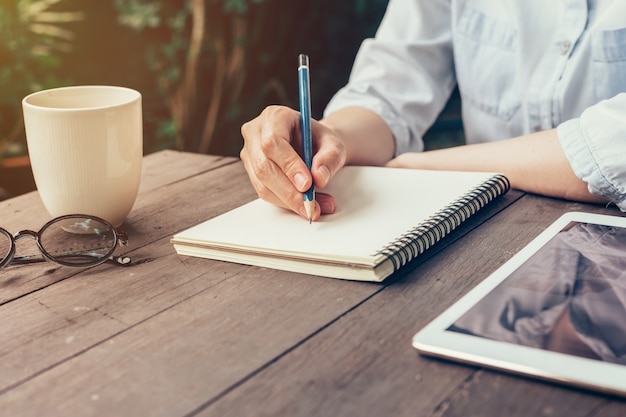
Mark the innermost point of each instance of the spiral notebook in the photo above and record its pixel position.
(385, 218)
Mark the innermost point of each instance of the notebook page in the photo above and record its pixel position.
(375, 206)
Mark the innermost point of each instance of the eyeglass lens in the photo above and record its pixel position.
(77, 241)
(5, 245)
(69, 240)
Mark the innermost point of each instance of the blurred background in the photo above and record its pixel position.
(203, 66)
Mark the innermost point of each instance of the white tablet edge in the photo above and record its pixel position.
(435, 340)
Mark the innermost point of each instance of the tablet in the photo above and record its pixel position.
(556, 310)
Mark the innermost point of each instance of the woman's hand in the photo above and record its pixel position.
(414, 160)
(534, 163)
(271, 156)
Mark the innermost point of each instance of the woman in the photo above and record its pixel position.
(542, 87)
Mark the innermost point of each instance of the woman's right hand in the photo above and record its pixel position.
(272, 157)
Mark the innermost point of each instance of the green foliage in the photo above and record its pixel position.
(257, 40)
(138, 14)
(238, 6)
(30, 59)
(245, 62)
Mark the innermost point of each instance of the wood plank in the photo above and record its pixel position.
(53, 325)
(150, 220)
(611, 408)
(30, 314)
(168, 166)
(488, 392)
(173, 325)
(364, 363)
(160, 342)
(180, 336)
(158, 169)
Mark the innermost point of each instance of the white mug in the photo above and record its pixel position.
(86, 145)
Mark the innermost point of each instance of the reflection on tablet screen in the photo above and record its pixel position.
(569, 297)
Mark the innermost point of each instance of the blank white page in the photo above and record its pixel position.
(375, 206)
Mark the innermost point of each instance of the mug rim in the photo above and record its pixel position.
(132, 96)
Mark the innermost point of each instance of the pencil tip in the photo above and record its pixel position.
(309, 207)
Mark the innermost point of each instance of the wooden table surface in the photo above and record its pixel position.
(182, 336)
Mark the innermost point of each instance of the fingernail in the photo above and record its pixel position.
(325, 173)
(300, 181)
(327, 207)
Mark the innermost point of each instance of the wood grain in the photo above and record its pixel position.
(181, 336)
(160, 170)
(364, 364)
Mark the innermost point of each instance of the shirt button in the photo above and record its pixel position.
(565, 47)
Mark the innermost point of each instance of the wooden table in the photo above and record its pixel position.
(181, 336)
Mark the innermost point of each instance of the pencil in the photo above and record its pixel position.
(304, 89)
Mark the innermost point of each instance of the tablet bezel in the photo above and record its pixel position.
(436, 340)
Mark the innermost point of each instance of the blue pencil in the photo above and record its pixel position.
(304, 88)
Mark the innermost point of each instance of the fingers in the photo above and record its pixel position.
(275, 167)
(330, 155)
(326, 203)
(279, 145)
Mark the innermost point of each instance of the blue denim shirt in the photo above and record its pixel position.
(520, 66)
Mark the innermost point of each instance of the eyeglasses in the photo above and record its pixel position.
(72, 240)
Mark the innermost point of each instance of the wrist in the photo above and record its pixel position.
(366, 138)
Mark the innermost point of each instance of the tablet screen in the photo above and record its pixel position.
(568, 297)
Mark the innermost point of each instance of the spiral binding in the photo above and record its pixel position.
(417, 240)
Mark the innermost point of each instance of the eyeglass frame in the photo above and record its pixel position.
(120, 239)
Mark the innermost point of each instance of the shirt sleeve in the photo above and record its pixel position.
(405, 74)
(595, 145)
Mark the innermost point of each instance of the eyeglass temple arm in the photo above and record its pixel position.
(32, 259)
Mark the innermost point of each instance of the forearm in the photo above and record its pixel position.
(366, 137)
(534, 163)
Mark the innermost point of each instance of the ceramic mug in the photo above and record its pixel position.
(86, 145)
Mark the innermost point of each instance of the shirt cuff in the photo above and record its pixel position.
(579, 151)
(404, 140)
